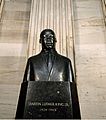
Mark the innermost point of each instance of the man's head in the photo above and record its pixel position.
(47, 39)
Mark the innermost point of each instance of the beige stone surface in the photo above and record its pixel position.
(1, 7)
(13, 49)
(104, 10)
(13, 40)
(11, 72)
(90, 48)
(17, 5)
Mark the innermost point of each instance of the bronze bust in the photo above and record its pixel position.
(48, 65)
(49, 80)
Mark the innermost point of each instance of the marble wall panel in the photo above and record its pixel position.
(13, 36)
(13, 43)
(12, 72)
(16, 15)
(90, 49)
(14, 25)
(17, 6)
(8, 100)
(13, 49)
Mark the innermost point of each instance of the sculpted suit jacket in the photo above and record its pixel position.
(37, 70)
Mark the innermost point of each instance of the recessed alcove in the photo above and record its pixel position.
(81, 36)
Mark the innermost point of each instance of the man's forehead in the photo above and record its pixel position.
(48, 33)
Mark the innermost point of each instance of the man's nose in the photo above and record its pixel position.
(49, 40)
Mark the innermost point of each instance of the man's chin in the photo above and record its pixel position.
(49, 47)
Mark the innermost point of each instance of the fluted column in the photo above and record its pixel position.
(104, 9)
(56, 15)
(1, 7)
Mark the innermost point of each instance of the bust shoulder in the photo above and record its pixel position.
(34, 57)
(64, 58)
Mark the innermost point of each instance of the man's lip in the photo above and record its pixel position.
(49, 44)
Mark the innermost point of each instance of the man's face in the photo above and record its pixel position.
(48, 40)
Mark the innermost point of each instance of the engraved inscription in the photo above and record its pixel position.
(49, 109)
(48, 104)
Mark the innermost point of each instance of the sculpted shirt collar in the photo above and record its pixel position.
(52, 51)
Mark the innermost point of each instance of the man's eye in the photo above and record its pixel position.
(50, 36)
(44, 35)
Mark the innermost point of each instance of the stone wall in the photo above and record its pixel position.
(13, 39)
(90, 49)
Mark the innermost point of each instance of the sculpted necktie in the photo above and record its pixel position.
(49, 61)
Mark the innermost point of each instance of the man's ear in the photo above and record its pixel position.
(55, 40)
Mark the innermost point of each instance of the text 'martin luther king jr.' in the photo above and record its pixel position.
(48, 65)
